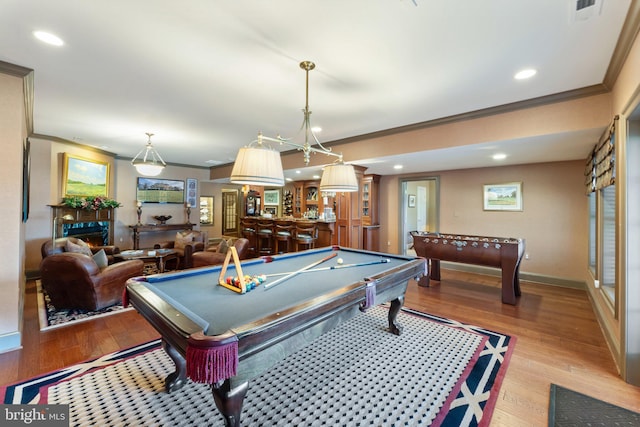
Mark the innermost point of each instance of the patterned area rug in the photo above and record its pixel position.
(50, 317)
(570, 408)
(438, 372)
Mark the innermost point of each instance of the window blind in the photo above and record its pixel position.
(600, 170)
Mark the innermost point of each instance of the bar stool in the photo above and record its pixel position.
(306, 233)
(264, 230)
(284, 235)
(248, 231)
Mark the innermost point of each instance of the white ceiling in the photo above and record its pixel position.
(206, 75)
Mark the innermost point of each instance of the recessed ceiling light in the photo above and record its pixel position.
(316, 129)
(525, 74)
(499, 156)
(316, 176)
(213, 162)
(397, 166)
(48, 38)
(288, 179)
(298, 171)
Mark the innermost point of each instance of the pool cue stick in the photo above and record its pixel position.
(335, 267)
(293, 273)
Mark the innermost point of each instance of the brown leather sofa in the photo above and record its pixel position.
(59, 246)
(74, 280)
(186, 249)
(214, 256)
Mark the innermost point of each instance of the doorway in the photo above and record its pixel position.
(420, 210)
(230, 212)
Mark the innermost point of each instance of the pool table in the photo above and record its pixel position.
(225, 339)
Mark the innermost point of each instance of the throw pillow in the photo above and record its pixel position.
(78, 248)
(182, 240)
(100, 258)
(223, 247)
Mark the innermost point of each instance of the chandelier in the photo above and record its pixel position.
(259, 164)
(149, 164)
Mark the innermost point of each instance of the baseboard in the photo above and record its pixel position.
(529, 277)
(32, 274)
(9, 342)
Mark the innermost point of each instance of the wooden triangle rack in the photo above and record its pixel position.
(242, 288)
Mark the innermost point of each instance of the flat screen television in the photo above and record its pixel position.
(154, 190)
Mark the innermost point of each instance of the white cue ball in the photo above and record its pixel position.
(339, 261)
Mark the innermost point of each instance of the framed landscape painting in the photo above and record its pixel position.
(154, 190)
(85, 177)
(503, 197)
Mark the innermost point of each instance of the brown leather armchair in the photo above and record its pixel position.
(186, 249)
(50, 247)
(74, 280)
(213, 257)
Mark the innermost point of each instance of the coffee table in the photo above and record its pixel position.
(157, 256)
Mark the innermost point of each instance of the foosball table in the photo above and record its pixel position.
(501, 252)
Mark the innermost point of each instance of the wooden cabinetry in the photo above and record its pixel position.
(370, 188)
(370, 220)
(349, 216)
(312, 202)
(287, 203)
(298, 202)
(325, 234)
(307, 199)
(356, 214)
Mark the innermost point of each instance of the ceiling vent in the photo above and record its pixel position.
(582, 10)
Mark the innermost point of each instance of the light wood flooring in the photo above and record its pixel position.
(558, 341)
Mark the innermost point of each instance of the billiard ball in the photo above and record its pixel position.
(339, 261)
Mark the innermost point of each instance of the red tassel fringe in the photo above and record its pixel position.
(213, 364)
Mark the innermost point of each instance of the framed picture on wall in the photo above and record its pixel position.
(153, 190)
(84, 177)
(192, 192)
(502, 197)
(271, 197)
(412, 201)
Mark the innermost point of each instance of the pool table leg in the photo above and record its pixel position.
(178, 378)
(229, 401)
(396, 304)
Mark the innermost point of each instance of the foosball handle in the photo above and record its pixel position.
(232, 252)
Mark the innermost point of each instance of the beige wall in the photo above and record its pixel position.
(46, 189)
(553, 221)
(12, 136)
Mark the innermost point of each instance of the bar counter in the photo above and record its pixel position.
(326, 228)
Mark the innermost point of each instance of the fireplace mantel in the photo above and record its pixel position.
(81, 216)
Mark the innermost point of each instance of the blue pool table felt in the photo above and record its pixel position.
(196, 294)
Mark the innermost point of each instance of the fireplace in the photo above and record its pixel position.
(94, 227)
(94, 233)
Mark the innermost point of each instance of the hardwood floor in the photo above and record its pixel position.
(558, 341)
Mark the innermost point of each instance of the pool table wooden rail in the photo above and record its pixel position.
(504, 253)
